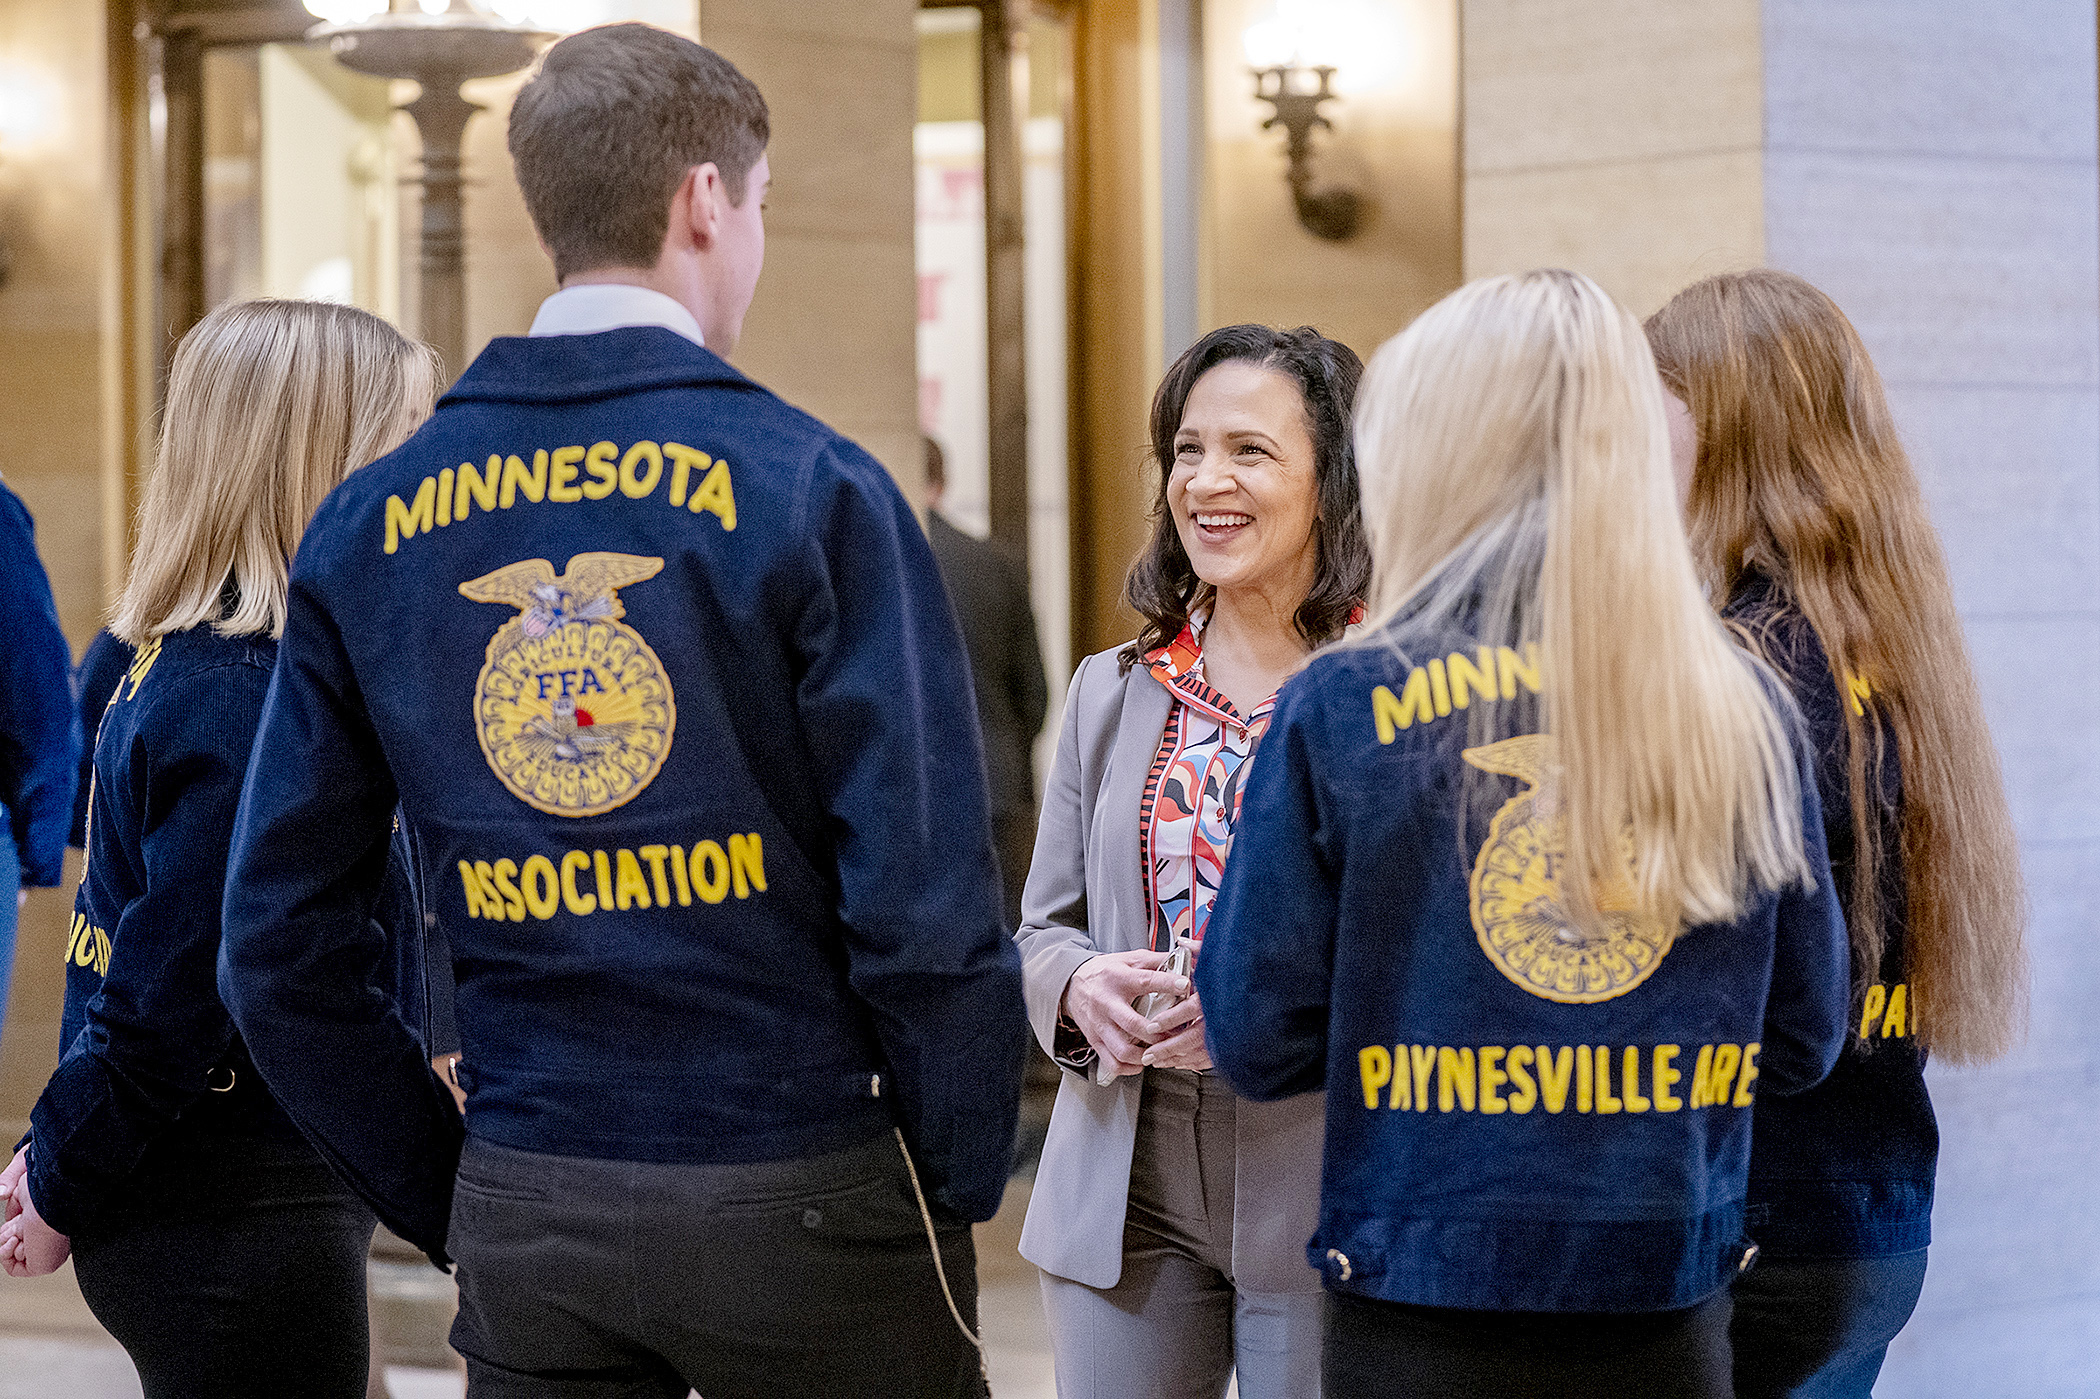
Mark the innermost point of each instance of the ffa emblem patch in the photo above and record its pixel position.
(1517, 910)
(573, 710)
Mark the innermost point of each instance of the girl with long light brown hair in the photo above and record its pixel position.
(207, 1235)
(1811, 533)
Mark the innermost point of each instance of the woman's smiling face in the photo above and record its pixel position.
(1245, 488)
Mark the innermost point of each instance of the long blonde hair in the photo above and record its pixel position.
(270, 405)
(1800, 474)
(1516, 485)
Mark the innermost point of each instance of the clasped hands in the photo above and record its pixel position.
(29, 1248)
(1100, 999)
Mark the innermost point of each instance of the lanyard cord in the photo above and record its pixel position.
(939, 1270)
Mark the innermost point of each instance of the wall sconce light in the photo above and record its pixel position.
(1304, 54)
(1333, 214)
(29, 110)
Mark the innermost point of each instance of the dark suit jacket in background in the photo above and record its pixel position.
(989, 589)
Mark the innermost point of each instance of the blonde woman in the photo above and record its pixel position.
(1808, 526)
(1532, 879)
(208, 1237)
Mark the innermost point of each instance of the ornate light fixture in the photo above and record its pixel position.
(1296, 55)
(440, 44)
(1334, 214)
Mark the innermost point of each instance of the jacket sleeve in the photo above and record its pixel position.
(1053, 936)
(1266, 969)
(1806, 1010)
(885, 704)
(100, 669)
(39, 726)
(156, 1027)
(302, 966)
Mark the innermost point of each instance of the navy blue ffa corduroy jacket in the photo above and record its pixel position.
(662, 675)
(39, 731)
(146, 1045)
(1519, 1117)
(1845, 1170)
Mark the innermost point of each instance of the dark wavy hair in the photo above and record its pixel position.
(1163, 587)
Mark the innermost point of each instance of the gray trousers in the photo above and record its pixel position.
(586, 1279)
(1174, 1326)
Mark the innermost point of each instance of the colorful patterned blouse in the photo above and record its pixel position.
(1192, 795)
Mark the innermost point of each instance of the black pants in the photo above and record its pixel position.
(233, 1267)
(1819, 1328)
(1385, 1350)
(587, 1279)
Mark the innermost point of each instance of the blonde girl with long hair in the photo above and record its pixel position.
(1532, 881)
(208, 1237)
(1810, 532)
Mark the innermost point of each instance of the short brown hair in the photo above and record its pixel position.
(605, 131)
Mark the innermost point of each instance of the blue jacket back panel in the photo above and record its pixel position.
(663, 675)
(1519, 1117)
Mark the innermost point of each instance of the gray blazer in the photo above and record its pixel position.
(1086, 895)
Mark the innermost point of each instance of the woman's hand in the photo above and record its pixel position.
(1177, 1037)
(29, 1248)
(1099, 999)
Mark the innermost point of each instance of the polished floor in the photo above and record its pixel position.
(51, 1348)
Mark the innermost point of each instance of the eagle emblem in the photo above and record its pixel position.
(573, 710)
(1517, 912)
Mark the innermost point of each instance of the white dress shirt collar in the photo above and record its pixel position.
(596, 306)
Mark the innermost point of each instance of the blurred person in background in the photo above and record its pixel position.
(1169, 1218)
(1531, 878)
(39, 729)
(1810, 532)
(989, 588)
(208, 1237)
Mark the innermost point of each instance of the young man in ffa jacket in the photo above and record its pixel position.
(661, 672)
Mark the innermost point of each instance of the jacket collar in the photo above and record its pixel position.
(579, 368)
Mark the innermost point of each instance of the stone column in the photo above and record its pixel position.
(1933, 167)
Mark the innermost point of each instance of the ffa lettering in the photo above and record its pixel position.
(1454, 682)
(584, 882)
(1598, 1079)
(1887, 1009)
(87, 946)
(698, 484)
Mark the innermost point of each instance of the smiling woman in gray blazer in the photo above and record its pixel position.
(1170, 1218)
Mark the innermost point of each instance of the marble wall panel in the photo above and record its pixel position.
(2011, 1348)
(1956, 271)
(2009, 476)
(1956, 77)
(2041, 693)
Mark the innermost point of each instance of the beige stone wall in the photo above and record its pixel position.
(1395, 142)
(1620, 138)
(56, 406)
